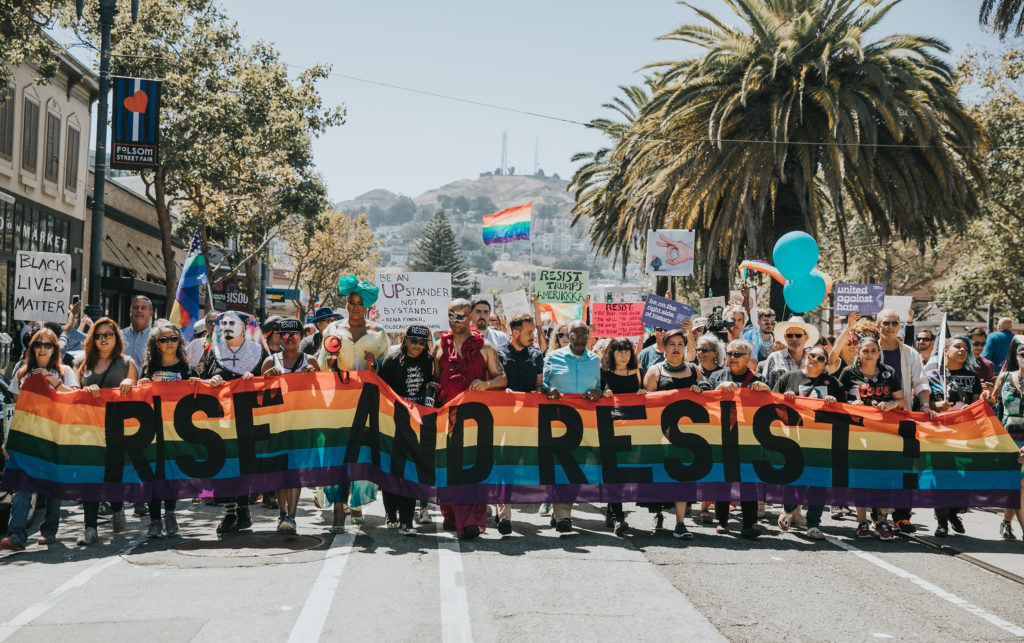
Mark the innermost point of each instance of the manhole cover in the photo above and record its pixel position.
(248, 545)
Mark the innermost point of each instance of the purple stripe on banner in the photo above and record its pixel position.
(518, 494)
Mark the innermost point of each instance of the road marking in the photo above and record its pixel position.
(314, 612)
(455, 627)
(925, 585)
(32, 612)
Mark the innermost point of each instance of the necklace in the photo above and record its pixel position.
(675, 369)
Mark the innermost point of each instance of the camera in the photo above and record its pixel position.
(715, 322)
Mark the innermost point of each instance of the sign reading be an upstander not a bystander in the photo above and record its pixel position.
(42, 286)
(413, 298)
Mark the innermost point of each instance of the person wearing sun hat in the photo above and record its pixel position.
(323, 316)
(798, 336)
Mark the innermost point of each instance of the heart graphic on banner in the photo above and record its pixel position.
(137, 102)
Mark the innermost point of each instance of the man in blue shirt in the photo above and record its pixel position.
(997, 345)
(572, 370)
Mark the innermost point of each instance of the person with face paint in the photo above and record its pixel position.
(464, 361)
(409, 372)
(236, 352)
(288, 331)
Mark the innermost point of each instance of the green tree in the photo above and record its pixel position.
(1002, 14)
(401, 211)
(23, 38)
(437, 250)
(792, 111)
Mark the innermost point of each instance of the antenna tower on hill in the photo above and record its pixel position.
(504, 153)
(536, 155)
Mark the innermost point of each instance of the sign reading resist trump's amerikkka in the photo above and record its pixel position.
(42, 285)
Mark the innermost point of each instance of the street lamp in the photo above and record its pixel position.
(107, 11)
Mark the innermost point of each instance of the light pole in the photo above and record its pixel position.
(107, 11)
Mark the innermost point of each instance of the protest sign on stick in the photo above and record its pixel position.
(664, 313)
(708, 304)
(554, 286)
(515, 303)
(619, 319)
(413, 298)
(42, 286)
(670, 252)
(867, 299)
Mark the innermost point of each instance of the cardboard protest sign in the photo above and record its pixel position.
(708, 304)
(556, 286)
(868, 299)
(664, 313)
(413, 298)
(899, 304)
(42, 286)
(670, 252)
(515, 303)
(617, 319)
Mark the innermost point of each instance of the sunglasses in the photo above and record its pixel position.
(978, 344)
(820, 358)
(735, 354)
(561, 335)
(457, 318)
(795, 335)
(46, 346)
(924, 339)
(416, 341)
(290, 335)
(166, 340)
(890, 324)
(703, 349)
(659, 330)
(106, 335)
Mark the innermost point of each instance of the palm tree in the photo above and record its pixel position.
(778, 118)
(1003, 14)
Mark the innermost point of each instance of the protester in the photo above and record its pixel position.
(985, 368)
(798, 336)
(738, 316)
(270, 335)
(464, 361)
(237, 351)
(559, 338)
(481, 319)
(997, 345)
(104, 365)
(196, 349)
(1009, 388)
(869, 381)
(924, 341)
(43, 358)
(323, 316)
(409, 372)
(710, 355)
(671, 374)
(761, 336)
(136, 336)
(654, 353)
(810, 380)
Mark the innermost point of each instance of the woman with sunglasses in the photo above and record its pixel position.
(559, 338)
(104, 365)
(672, 374)
(409, 372)
(811, 380)
(165, 361)
(43, 358)
(869, 381)
(289, 360)
(620, 375)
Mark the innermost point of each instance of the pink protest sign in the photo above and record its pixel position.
(621, 319)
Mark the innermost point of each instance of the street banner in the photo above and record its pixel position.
(619, 319)
(413, 298)
(670, 252)
(707, 305)
(555, 286)
(42, 286)
(660, 312)
(183, 440)
(515, 303)
(868, 299)
(135, 125)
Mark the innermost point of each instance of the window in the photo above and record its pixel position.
(30, 136)
(71, 160)
(7, 123)
(51, 162)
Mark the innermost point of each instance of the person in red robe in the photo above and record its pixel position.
(465, 362)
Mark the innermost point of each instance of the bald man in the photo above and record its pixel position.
(997, 345)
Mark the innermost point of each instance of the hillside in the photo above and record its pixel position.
(504, 191)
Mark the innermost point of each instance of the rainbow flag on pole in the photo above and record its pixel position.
(512, 224)
(185, 311)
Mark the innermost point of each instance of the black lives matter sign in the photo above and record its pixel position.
(42, 286)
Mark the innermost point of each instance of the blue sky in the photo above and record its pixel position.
(558, 57)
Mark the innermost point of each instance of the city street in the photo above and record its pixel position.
(374, 583)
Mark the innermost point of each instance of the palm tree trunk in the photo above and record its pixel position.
(788, 217)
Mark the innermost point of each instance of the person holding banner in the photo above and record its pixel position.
(672, 374)
(1009, 389)
(620, 375)
(104, 366)
(464, 361)
(43, 358)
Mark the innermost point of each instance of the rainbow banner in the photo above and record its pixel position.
(177, 440)
(512, 224)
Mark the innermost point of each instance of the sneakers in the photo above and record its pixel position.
(906, 527)
(423, 516)
(815, 534)
(469, 532)
(505, 526)
(406, 529)
(89, 537)
(139, 509)
(800, 521)
(563, 526)
(119, 521)
(286, 525)
(244, 519)
(545, 509)
(155, 529)
(11, 545)
(749, 531)
(784, 521)
(864, 530)
(620, 528)
(838, 512)
(941, 531)
(228, 525)
(1006, 530)
(956, 524)
(47, 539)
(682, 532)
(391, 523)
(171, 524)
(885, 531)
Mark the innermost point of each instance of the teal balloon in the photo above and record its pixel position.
(795, 255)
(805, 293)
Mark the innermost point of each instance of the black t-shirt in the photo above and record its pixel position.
(177, 373)
(408, 379)
(870, 390)
(961, 386)
(818, 387)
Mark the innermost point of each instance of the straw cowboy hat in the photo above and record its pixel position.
(797, 323)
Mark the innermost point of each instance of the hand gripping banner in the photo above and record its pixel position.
(177, 440)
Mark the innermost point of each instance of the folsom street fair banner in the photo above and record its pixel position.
(179, 440)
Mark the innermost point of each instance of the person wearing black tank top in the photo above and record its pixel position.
(289, 360)
(620, 375)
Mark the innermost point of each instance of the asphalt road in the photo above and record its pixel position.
(373, 583)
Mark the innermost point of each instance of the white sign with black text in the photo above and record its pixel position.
(42, 286)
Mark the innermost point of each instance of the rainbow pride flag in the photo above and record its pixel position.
(512, 224)
(185, 311)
